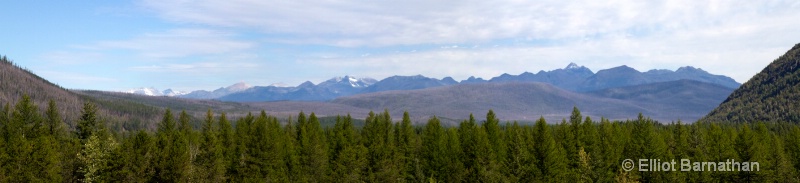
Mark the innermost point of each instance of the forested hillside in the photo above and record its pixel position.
(771, 95)
(16, 81)
(123, 112)
(35, 147)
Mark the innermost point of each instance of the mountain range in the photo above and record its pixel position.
(513, 97)
(152, 91)
(572, 78)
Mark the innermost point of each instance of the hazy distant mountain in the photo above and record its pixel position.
(512, 101)
(572, 77)
(568, 78)
(771, 95)
(627, 76)
(472, 79)
(151, 91)
(307, 91)
(408, 83)
(686, 100)
(203, 94)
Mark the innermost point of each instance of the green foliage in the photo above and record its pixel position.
(173, 158)
(549, 155)
(34, 147)
(312, 150)
(771, 95)
(210, 160)
(88, 124)
(96, 155)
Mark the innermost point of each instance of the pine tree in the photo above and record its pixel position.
(573, 142)
(30, 153)
(434, 150)
(793, 146)
(749, 149)
(495, 135)
(720, 149)
(454, 168)
(139, 153)
(189, 141)
(478, 153)
(550, 157)
(408, 149)
(261, 158)
(519, 161)
(96, 155)
(54, 122)
(312, 149)
(225, 135)
(88, 123)
(4, 139)
(349, 157)
(611, 138)
(241, 171)
(210, 159)
(379, 139)
(172, 163)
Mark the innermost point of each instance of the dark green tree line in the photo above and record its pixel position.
(35, 146)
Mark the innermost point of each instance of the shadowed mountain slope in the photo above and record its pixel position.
(687, 100)
(512, 101)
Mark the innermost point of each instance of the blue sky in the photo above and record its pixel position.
(191, 45)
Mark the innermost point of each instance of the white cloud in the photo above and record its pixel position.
(75, 80)
(204, 68)
(176, 43)
(382, 23)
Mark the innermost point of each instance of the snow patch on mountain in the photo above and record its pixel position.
(152, 91)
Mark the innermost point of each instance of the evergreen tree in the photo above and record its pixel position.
(54, 122)
(30, 153)
(454, 169)
(519, 161)
(139, 153)
(210, 160)
(792, 142)
(225, 135)
(312, 149)
(749, 149)
(349, 157)
(478, 153)
(408, 149)
(379, 139)
(495, 135)
(241, 171)
(4, 139)
(550, 157)
(172, 163)
(720, 149)
(88, 123)
(434, 150)
(611, 138)
(96, 156)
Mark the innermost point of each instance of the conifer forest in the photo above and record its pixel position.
(37, 146)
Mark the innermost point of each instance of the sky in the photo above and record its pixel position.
(197, 44)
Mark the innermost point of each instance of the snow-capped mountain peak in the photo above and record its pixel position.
(240, 86)
(152, 91)
(172, 93)
(572, 65)
(352, 81)
(279, 84)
